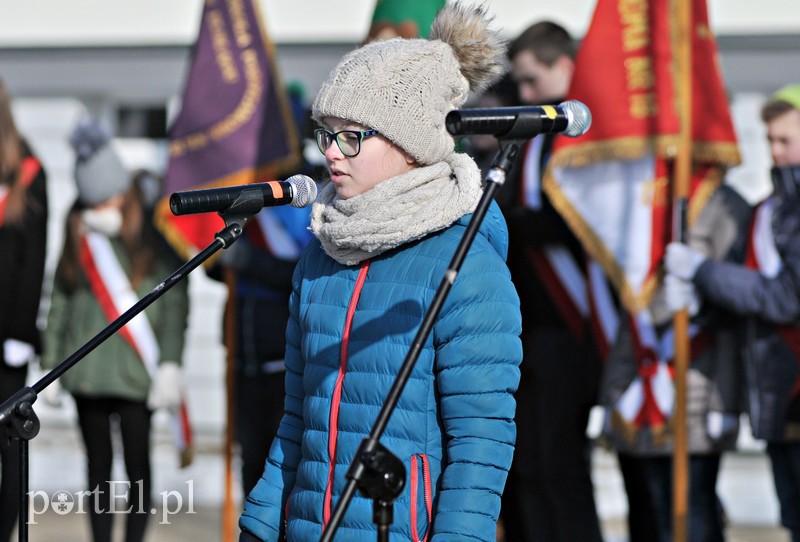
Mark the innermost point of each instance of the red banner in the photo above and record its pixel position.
(612, 184)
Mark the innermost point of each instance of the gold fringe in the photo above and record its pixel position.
(662, 434)
(625, 429)
(631, 148)
(792, 431)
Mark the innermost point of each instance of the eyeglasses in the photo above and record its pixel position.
(349, 141)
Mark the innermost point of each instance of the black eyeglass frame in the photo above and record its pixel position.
(319, 133)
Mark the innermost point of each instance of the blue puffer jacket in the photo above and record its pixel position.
(349, 332)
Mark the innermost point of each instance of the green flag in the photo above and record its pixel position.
(404, 18)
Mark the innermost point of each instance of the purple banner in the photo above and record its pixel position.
(235, 125)
(234, 119)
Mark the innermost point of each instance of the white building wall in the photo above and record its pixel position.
(136, 22)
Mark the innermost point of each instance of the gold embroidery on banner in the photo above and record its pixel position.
(241, 28)
(244, 111)
(639, 70)
(222, 47)
(635, 30)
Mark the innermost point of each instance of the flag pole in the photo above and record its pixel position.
(229, 509)
(682, 176)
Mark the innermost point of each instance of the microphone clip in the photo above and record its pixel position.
(247, 204)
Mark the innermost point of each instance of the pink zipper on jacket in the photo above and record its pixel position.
(333, 431)
(420, 469)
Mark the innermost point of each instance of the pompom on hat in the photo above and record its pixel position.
(404, 88)
(789, 94)
(99, 173)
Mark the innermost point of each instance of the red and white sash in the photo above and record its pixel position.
(579, 292)
(565, 283)
(28, 169)
(604, 314)
(114, 293)
(649, 398)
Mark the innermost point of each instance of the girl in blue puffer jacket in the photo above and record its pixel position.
(386, 227)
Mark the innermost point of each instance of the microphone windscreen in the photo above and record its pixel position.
(304, 190)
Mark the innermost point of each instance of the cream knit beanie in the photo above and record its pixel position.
(404, 88)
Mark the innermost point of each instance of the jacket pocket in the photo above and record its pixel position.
(420, 498)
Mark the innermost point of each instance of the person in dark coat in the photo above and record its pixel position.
(23, 243)
(765, 292)
(549, 495)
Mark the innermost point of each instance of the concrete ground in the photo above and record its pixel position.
(204, 525)
(188, 502)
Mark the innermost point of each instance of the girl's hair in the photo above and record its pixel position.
(138, 235)
(12, 150)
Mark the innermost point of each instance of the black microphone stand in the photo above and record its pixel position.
(374, 471)
(18, 420)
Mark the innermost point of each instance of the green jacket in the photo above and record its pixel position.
(113, 369)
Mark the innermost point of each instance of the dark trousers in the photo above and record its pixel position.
(705, 515)
(96, 417)
(549, 495)
(642, 522)
(785, 459)
(259, 409)
(12, 379)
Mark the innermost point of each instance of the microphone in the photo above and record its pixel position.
(297, 191)
(572, 118)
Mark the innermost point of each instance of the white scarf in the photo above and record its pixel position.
(398, 210)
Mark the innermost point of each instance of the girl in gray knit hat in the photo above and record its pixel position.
(386, 227)
(113, 256)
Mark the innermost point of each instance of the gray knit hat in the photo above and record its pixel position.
(99, 174)
(404, 88)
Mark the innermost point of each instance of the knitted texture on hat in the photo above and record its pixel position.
(99, 173)
(789, 94)
(404, 88)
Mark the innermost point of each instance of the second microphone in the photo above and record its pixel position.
(572, 118)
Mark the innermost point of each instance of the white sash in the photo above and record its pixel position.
(111, 278)
(570, 275)
(767, 258)
(603, 310)
(531, 174)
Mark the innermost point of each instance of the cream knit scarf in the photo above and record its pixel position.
(397, 210)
